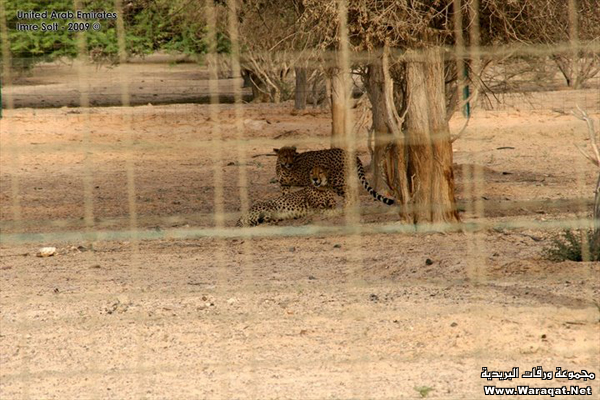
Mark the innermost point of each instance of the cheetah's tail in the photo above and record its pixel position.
(368, 188)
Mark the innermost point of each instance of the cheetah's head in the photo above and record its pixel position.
(318, 177)
(286, 156)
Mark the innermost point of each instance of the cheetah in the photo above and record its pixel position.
(317, 197)
(293, 167)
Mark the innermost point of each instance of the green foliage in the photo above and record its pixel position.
(171, 25)
(28, 47)
(150, 25)
(164, 24)
(569, 246)
(424, 390)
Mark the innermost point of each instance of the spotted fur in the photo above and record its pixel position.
(316, 197)
(293, 169)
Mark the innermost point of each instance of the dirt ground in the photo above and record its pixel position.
(301, 312)
(152, 80)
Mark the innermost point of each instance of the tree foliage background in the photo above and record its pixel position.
(150, 25)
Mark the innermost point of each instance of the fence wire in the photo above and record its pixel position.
(227, 135)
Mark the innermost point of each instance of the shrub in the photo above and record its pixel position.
(570, 245)
(150, 25)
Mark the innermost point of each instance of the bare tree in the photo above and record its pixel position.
(579, 70)
(549, 22)
(272, 46)
(594, 158)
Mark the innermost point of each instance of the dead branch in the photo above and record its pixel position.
(393, 120)
(363, 109)
(582, 115)
(595, 158)
(454, 138)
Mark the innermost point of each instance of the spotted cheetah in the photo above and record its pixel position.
(293, 167)
(317, 197)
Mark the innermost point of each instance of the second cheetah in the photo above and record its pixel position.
(317, 197)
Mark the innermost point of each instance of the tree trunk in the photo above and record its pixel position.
(389, 154)
(276, 95)
(389, 158)
(374, 82)
(338, 114)
(258, 87)
(428, 140)
(595, 245)
(301, 89)
(442, 195)
(396, 161)
(327, 101)
(418, 135)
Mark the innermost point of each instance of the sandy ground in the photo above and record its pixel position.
(148, 81)
(301, 314)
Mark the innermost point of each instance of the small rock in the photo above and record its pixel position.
(337, 246)
(230, 163)
(454, 325)
(123, 299)
(429, 261)
(311, 278)
(374, 298)
(253, 124)
(46, 251)
(232, 300)
(120, 306)
(292, 249)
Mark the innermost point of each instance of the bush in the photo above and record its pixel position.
(29, 47)
(150, 25)
(569, 246)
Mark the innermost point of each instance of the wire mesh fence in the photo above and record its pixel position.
(153, 291)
